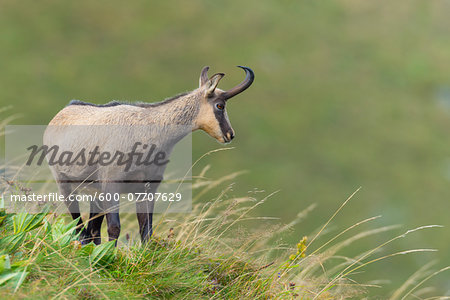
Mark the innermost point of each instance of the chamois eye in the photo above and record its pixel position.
(220, 106)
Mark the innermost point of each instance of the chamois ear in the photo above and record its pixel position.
(203, 76)
(212, 83)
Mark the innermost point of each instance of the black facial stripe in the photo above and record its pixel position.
(220, 117)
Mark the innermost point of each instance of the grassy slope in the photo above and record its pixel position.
(40, 258)
(162, 269)
(206, 254)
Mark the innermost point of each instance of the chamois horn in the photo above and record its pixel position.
(249, 77)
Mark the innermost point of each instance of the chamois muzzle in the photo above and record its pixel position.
(249, 77)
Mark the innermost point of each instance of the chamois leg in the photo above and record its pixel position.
(113, 226)
(95, 226)
(74, 208)
(144, 213)
(144, 208)
(95, 222)
(111, 208)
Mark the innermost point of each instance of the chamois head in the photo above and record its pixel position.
(212, 117)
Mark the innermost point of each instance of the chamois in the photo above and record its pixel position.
(170, 120)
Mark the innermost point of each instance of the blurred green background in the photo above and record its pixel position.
(347, 94)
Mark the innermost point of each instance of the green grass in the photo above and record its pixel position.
(54, 264)
(162, 269)
(206, 254)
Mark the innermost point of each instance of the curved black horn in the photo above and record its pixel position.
(249, 77)
(204, 76)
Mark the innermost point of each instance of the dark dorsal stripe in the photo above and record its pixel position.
(117, 103)
(109, 104)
